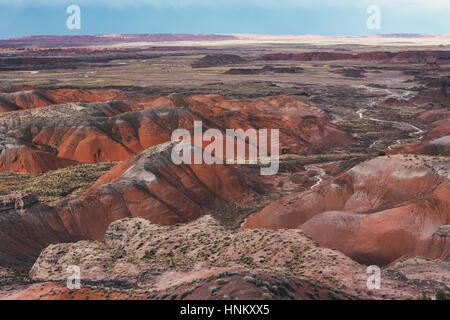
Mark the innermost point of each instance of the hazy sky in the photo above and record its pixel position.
(321, 17)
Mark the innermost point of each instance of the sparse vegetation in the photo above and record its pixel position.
(53, 186)
(442, 295)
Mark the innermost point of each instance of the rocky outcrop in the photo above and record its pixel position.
(204, 260)
(17, 201)
(420, 271)
(199, 249)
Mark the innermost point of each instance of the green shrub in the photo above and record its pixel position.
(424, 296)
(441, 295)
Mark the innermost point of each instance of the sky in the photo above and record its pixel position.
(275, 17)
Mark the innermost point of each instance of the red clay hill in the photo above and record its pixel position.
(30, 99)
(149, 186)
(376, 212)
(152, 187)
(436, 120)
(37, 140)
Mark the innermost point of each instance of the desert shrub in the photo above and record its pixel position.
(424, 296)
(441, 295)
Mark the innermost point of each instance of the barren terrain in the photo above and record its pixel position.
(86, 176)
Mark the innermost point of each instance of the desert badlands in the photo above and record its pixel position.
(88, 181)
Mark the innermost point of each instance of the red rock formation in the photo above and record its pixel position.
(436, 141)
(375, 213)
(152, 187)
(374, 56)
(22, 100)
(148, 186)
(31, 99)
(420, 57)
(110, 132)
(437, 246)
(28, 159)
(434, 115)
(60, 96)
(431, 96)
(436, 147)
(301, 125)
(438, 129)
(83, 144)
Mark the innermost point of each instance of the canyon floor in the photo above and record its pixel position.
(87, 180)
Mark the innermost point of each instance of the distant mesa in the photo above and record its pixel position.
(385, 57)
(351, 72)
(264, 70)
(75, 40)
(217, 60)
(401, 57)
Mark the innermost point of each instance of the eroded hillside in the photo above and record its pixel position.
(85, 155)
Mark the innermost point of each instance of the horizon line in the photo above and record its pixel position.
(411, 35)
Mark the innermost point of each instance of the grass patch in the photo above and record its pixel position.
(230, 214)
(53, 186)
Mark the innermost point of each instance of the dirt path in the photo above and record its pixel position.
(320, 176)
(418, 133)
